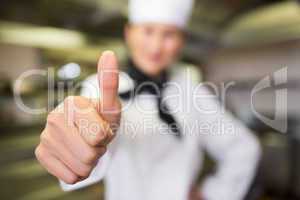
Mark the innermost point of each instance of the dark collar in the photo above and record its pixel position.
(145, 83)
(155, 86)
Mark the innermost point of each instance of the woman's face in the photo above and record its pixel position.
(153, 47)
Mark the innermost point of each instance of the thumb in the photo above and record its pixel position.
(108, 78)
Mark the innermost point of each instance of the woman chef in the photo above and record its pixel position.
(144, 130)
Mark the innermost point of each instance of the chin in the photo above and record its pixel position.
(153, 69)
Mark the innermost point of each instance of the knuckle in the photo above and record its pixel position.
(107, 137)
(104, 132)
(90, 157)
(99, 138)
(85, 172)
(47, 141)
(52, 119)
(102, 151)
(71, 179)
(44, 137)
(39, 154)
(94, 142)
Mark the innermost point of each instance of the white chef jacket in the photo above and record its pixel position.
(146, 162)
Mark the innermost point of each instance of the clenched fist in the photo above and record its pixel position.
(78, 131)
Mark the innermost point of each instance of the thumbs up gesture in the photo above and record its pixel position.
(78, 131)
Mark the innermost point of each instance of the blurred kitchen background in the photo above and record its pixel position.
(229, 40)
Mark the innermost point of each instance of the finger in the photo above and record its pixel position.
(90, 124)
(58, 149)
(83, 151)
(72, 140)
(94, 130)
(54, 166)
(108, 78)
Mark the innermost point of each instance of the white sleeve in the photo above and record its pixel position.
(235, 150)
(96, 175)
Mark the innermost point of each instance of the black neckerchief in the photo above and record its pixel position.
(144, 83)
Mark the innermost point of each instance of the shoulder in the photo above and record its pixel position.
(188, 80)
(185, 72)
(90, 86)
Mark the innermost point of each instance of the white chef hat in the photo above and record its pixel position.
(175, 12)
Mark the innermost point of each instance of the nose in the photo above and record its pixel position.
(155, 45)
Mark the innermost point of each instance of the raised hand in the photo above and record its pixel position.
(78, 131)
